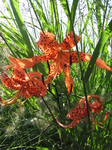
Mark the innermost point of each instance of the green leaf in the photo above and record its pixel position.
(21, 25)
(5, 40)
(59, 132)
(52, 15)
(41, 148)
(102, 40)
(73, 13)
(55, 19)
(42, 68)
(103, 83)
(42, 20)
(10, 13)
(63, 3)
(88, 17)
(98, 17)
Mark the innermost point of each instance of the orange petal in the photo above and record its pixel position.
(69, 83)
(87, 57)
(18, 74)
(69, 42)
(106, 115)
(68, 80)
(50, 35)
(60, 124)
(49, 46)
(8, 82)
(76, 114)
(36, 87)
(96, 106)
(101, 64)
(37, 59)
(23, 63)
(52, 73)
(7, 102)
(83, 57)
(71, 125)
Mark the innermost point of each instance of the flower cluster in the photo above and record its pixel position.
(30, 84)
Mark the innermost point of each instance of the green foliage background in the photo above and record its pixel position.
(34, 126)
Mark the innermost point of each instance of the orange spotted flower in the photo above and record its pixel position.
(26, 84)
(80, 112)
(60, 55)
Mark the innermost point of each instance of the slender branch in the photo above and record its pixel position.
(48, 108)
(57, 98)
(38, 19)
(49, 89)
(79, 60)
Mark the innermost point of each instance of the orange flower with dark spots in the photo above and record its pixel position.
(27, 84)
(62, 57)
(80, 112)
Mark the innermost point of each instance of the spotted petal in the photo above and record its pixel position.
(69, 42)
(8, 82)
(87, 57)
(18, 75)
(48, 45)
(83, 57)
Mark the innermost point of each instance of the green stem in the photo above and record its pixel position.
(48, 108)
(79, 60)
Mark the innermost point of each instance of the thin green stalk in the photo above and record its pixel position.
(57, 97)
(79, 61)
(48, 108)
(36, 137)
(34, 9)
(77, 96)
(56, 19)
(105, 11)
(68, 97)
(32, 19)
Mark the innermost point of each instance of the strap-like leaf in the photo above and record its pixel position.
(21, 26)
(99, 46)
(73, 13)
(102, 84)
(63, 3)
(41, 18)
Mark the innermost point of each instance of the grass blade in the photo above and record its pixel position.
(42, 20)
(21, 26)
(63, 3)
(73, 14)
(97, 50)
(98, 17)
